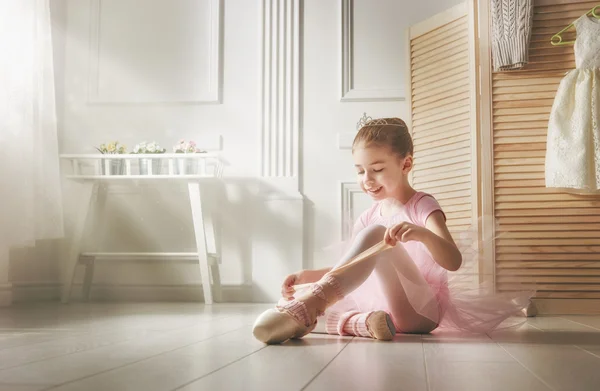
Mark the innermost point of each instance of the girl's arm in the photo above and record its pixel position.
(440, 244)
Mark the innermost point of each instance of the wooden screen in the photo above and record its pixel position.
(549, 239)
(443, 115)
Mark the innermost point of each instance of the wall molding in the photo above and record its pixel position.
(279, 118)
(347, 191)
(213, 95)
(348, 92)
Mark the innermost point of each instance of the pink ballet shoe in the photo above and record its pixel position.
(380, 326)
(374, 324)
(295, 319)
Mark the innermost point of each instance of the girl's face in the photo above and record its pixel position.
(381, 173)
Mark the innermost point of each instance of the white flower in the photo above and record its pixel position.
(151, 147)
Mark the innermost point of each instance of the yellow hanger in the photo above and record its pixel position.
(556, 39)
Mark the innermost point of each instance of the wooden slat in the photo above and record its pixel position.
(457, 136)
(549, 265)
(535, 279)
(566, 15)
(445, 115)
(435, 188)
(525, 95)
(524, 139)
(435, 98)
(446, 151)
(439, 104)
(522, 110)
(551, 221)
(520, 125)
(418, 50)
(520, 147)
(553, 287)
(458, 174)
(432, 74)
(545, 197)
(562, 234)
(442, 88)
(519, 169)
(546, 249)
(441, 32)
(438, 55)
(448, 122)
(546, 205)
(426, 71)
(443, 163)
(462, 168)
(448, 105)
(525, 161)
(499, 155)
(521, 133)
(550, 261)
(556, 212)
(426, 86)
(441, 129)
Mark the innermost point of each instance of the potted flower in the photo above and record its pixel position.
(112, 166)
(145, 162)
(186, 166)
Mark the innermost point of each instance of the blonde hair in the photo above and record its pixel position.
(390, 132)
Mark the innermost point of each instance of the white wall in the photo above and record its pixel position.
(262, 236)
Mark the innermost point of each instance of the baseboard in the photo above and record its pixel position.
(567, 306)
(6, 295)
(50, 291)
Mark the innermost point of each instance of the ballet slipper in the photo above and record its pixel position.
(274, 327)
(296, 318)
(380, 326)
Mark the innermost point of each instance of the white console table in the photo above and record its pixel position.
(94, 171)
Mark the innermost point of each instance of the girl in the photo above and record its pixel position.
(404, 288)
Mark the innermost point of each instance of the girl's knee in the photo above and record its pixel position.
(372, 234)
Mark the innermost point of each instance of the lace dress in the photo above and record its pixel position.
(573, 145)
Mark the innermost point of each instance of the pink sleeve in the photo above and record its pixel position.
(424, 207)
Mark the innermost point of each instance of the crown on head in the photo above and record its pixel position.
(368, 121)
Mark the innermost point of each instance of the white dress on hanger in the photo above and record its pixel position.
(573, 145)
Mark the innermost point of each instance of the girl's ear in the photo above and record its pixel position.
(407, 164)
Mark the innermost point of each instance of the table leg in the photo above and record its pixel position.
(200, 234)
(83, 208)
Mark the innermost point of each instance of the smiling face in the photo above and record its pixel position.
(381, 173)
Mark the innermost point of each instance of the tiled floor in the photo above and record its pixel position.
(183, 346)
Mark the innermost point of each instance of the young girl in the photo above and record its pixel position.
(402, 289)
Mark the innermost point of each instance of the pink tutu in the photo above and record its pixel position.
(462, 302)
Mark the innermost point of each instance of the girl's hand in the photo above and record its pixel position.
(287, 288)
(404, 232)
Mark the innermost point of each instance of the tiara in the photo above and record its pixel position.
(370, 121)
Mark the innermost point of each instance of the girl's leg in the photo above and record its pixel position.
(394, 279)
(272, 327)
